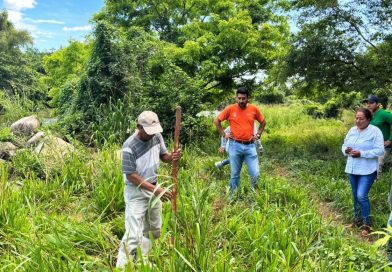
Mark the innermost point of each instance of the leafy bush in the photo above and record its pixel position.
(314, 109)
(350, 100)
(332, 108)
(66, 96)
(270, 96)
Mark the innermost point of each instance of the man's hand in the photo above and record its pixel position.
(255, 138)
(387, 143)
(348, 150)
(176, 155)
(355, 153)
(165, 195)
(221, 150)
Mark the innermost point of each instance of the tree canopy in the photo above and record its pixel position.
(342, 45)
(217, 41)
(17, 76)
(64, 65)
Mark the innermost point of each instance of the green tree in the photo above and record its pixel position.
(64, 65)
(17, 75)
(342, 45)
(217, 41)
(127, 72)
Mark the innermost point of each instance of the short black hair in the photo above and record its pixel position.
(368, 114)
(242, 90)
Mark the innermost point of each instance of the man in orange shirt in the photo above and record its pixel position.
(241, 117)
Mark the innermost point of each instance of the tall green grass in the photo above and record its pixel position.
(73, 218)
(15, 107)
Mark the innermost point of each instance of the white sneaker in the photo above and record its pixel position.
(219, 165)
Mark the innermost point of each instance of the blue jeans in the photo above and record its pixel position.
(238, 154)
(360, 187)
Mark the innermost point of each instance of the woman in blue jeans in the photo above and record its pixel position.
(363, 145)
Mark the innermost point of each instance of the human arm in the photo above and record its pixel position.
(169, 157)
(387, 143)
(222, 133)
(388, 119)
(260, 130)
(260, 118)
(138, 181)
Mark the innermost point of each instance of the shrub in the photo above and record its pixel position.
(314, 109)
(66, 96)
(271, 96)
(332, 108)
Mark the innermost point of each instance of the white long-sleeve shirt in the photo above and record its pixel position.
(370, 143)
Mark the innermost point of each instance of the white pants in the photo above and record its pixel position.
(142, 217)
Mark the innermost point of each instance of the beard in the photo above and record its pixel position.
(242, 104)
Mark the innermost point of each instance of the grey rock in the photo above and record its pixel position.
(7, 150)
(33, 140)
(25, 126)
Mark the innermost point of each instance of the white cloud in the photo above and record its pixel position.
(15, 16)
(78, 28)
(14, 8)
(18, 5)
(45, 21)
(43, 33)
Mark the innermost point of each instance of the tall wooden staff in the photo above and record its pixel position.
(175, 163)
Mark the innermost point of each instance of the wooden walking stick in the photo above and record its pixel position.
(175, 163)
(174, 171)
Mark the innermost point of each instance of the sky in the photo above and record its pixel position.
(52, 23)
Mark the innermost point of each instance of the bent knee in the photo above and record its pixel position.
(363, 198)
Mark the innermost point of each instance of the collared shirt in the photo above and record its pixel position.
(370, 143)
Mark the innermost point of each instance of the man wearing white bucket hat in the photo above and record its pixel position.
(141, 154)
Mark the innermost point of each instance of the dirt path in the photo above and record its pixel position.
(328, 214)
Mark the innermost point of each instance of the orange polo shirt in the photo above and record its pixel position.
(241, 120)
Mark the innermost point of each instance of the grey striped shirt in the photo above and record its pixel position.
(142, 157)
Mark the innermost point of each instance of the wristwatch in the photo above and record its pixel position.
(258, 136)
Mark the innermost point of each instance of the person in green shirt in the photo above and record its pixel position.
(383, 120)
